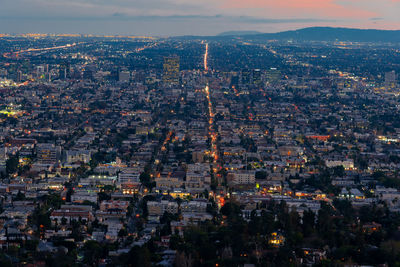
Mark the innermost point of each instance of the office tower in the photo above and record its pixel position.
(47, 154)
(245, 76)
(234, 81)
(273, 75)
(3, 159)
(19, 76)
(257, 80)
(3, 73)
(64, 71)
(39, 70)
(124, 76)
(390, 80)
(171, 70)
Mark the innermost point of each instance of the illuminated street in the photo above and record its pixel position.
(213, 135)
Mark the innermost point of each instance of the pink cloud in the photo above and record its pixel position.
(299, 8)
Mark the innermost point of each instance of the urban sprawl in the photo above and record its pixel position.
(134, 151)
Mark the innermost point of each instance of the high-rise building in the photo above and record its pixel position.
(257, 80)
(19, 76)
(3, 159)
(171, 70)
(3, 73)
(47, 154)
(273, 75)
(234, 81)
(40, 70)
(64, 70)
(124, 76)
(245, 76)
(390, 80)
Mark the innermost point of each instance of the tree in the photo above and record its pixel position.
(123, 232)
(231, 210)
(5, 260)
(12, 164)
(137, 257)
(54, 200)
(261, 175)
(345, 207)
(20, 196)
(308, 222)
(104, 196)
(145, 179)
(338, 171)
(92, 252)
(40, 218)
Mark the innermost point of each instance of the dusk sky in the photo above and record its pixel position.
(196, 17)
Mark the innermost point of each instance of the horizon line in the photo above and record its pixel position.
(141, 36)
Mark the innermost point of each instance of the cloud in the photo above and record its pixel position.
(249, 19)
(261, 8)
(319, 8)
(375, 19)
(194, 16)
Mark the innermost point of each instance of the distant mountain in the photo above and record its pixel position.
(331, 34)
(239, 33)
(327, 34)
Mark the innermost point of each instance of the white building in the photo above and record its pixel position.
(72, 156)
(241, 177)
(158, 208)
(347, 164)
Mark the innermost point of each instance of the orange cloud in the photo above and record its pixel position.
(299, 8)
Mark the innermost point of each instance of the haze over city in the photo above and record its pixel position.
(190, 17)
